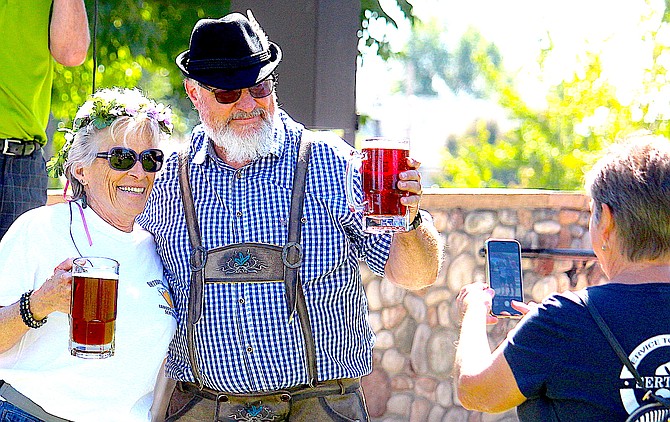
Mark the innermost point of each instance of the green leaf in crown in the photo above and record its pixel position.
(101, 110)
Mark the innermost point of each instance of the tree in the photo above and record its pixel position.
(372, 10)
(428, 59)
(141, 40)
(553, 147)
(138, 41)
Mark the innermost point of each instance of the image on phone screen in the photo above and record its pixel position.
(503, 262)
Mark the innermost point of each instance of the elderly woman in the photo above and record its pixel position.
(111, 161)
(556, 364)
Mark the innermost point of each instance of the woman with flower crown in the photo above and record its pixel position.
(110, 159)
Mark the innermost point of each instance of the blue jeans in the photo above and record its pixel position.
(11, 413)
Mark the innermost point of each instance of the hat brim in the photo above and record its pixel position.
(232, 78)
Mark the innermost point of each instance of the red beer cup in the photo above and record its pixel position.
(381, 162)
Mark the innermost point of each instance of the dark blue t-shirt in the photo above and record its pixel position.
(564, 365)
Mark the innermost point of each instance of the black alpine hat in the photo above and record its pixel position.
(232, 52)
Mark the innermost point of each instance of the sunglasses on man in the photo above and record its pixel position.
(123, 159)
(229, 96)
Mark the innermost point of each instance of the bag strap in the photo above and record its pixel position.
(24, 403)
(617, 347)
(197, 261)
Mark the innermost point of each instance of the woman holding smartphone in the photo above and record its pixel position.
(556, 364)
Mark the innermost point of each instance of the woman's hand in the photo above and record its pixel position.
(524, 308)
(55, 294)
(477, 295)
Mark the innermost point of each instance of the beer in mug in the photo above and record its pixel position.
(382, 160)
(93, 307)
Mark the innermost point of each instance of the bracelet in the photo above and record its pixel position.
(26, 315)
(416, 222)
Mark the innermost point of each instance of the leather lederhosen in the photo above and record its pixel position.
(249, 262)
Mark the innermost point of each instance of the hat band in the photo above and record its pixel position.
(206, 64)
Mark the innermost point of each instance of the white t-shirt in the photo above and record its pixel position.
(40, 366)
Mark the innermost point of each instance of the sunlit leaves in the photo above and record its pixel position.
(553, 147)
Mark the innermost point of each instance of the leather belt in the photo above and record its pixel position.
(18, 147)
(325, 388)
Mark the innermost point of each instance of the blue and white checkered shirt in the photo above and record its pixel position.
(245, 342)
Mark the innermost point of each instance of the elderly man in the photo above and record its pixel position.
(261, 250)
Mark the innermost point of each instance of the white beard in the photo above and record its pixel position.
(244, 147)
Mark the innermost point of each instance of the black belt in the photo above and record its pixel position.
(321, 389)
(18, 147)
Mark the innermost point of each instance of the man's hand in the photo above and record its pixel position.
(410, 181)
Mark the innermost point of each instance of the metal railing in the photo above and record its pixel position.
(569, 254)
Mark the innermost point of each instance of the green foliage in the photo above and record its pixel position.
(372, 10)
(547, 149)
(428, 59)
(553, 147)
(136, 44)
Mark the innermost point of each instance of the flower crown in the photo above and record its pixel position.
(101, 110)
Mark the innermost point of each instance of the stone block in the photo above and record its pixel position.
(404, 335)
(420, 410)
(416, 307)
(373, 293)
(460, 272)
(384, 340)
(377, 391)
(444, 393)
(393, 362)
(419, 354)
(393, 316)
(402, 383)
(400, 404)
(391, 294)
(480, 222)
(503, 232)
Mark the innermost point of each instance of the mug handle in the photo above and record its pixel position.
(349, 180)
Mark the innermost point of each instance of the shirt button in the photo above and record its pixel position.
(241, 301)
(239, 213)
(250, 349)
(238, 174)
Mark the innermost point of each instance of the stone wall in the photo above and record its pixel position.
(417, 330)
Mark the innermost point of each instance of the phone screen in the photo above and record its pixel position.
(503, 264)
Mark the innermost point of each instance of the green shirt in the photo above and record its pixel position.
(26, 69)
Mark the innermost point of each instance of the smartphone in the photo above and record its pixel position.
(503, 270)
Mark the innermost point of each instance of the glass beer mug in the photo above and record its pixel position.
(95, 283)
(381, 160)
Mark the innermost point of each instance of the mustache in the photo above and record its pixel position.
(244, 115)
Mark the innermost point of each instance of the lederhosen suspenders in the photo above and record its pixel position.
(249, 262)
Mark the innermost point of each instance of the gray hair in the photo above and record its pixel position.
(88, 140)
(633, 179)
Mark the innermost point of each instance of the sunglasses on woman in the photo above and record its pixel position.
(229, 96)
(124, 159)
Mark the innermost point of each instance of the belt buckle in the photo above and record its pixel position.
(7, 144)
(24, 147)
